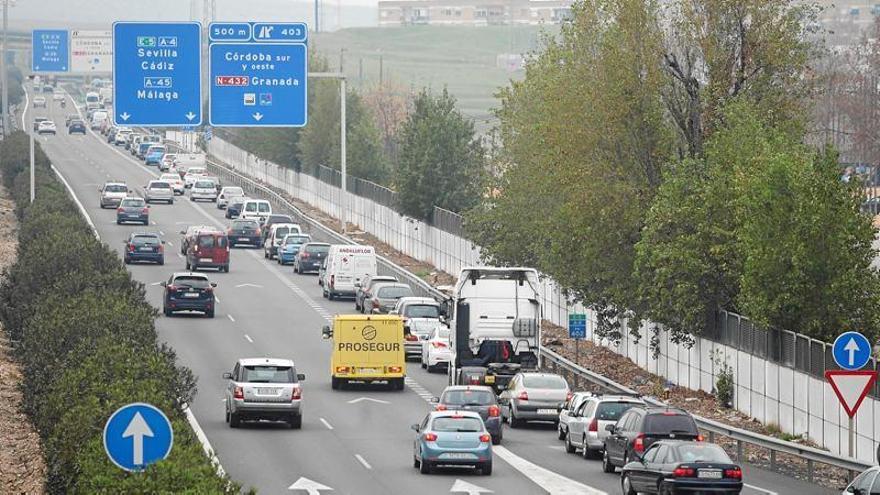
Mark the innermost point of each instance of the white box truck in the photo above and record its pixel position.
(495, 318)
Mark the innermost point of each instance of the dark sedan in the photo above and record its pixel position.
(244, 232)
(133, 210)
(477, 399)
(188, 291)
(670, 466)
(310, 257)
(77, 126)
(233, 208)
(144, 246)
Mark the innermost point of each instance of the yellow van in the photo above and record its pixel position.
(367, 348)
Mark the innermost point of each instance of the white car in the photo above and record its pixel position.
(226, 194)
(167, 161)
(255, 209)
(193, 174)
(58, 96)
(435, 350)
(203, 189)
(158, 190)
(175, 181)
(39, 101)
(122, 136)
(47, 127)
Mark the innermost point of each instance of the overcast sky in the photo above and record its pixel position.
(27, 14)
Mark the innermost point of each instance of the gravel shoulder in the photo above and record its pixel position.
(22, 466)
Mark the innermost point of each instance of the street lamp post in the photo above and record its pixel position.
(5, 100)
(342, 137)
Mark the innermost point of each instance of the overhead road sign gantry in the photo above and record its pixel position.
(851, 350)
(137, 435)
(91, 52)
(50, 50)
(260, 82)
(156, 74)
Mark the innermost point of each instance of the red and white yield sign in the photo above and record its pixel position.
(851, 387)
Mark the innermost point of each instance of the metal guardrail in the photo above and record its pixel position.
(549, 357)
(741, 436)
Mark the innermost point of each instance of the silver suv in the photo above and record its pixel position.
(264, 389)
(586, 424)
(112, 193)
(159, 190)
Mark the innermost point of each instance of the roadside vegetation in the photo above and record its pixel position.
(84, 334)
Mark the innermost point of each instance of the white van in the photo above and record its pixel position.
(347, 265)
(93, 100)
(99, 118)
(256, 209)
(277, 232)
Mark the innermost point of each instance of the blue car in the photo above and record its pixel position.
(289, 247)
(144, 246)
(452, 438)
(154, 155)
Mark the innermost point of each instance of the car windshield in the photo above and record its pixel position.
(233, 191)
(394, 292)
(132, 202)
(296, 239)
(705, 452)
(449, 423)
(244, 224)
(195, 171)
(280, 232)
(468, 397)
(264, 207)
(552, 382)
(160, 185)
(207, 241)
(279, 219)
(115, 188)
(268, 374)
(205, 184)
(145, 240)
(318, 249)
(612, 411)
(422, 311)
(667, 423)
(192, 281)
(170, 177)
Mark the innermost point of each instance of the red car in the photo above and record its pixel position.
(208, 249)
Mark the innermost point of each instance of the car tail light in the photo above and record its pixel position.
(494, 411)
(171, 288)
(568, 396)
(296, 394)
(304, 255)
(485, 438)
(238, 393)
(376, 304)
(409, 337)
(343, 370)
(395, 369)
(259, 232)
(161, 248)
(735, 473)
(208, 290)
(523, 395)
(438, 345)
(594, 425)
(228, 231)
(333, 280)
(131, 248)
(119, 210)
(440, 407)
(683, 472)
(429, 437)
(639, 443)
(700, 438)
(146, 209)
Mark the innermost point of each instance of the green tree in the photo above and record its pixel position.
(441, 158)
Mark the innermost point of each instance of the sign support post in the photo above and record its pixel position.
(33, 180)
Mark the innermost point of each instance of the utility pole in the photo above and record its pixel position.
(5, 100)
(317, 22)
(342, 138)
(381, 70)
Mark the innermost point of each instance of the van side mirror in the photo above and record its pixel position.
(227, 375)
(163, 283)
(326, 332)
(416, 427)
(213, 284)
(301, 376)
(182, 232)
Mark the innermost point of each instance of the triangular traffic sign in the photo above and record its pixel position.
(851, 387)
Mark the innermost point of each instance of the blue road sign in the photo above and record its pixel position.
(229, 31)
(50, 50)
(137, 435)
(280, 32)
(258, 84)
(157, 74)
(851, 350)
(577, 325)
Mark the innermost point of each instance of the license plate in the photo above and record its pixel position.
(133, 215)
(709, 474)
(267, 391)
(368, 371)
(457, 455)
(191, 294)
(145, 249)
(205, 260)
(547, 411)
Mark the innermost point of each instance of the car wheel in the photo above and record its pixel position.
(587, 453)
(560, 433)
(569, 447)
(486, 468)
(126, 260)
(209, 313)
(227, 416)
(424, 366)
(334, 383)
(626, 485)
(167, 311)
(295, 421)
(161, 261)
(329, 295)
(265, 254)
(192, 199)
(234, 420)
(188, 266)
(514, 422)
(416, 462)
(118, 222)
(425, 467)
(496, 439)
(295, 268)
(607, 467)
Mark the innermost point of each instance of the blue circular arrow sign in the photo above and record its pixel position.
(851, 351)
(137, 435)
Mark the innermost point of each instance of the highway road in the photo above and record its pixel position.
(353, 441)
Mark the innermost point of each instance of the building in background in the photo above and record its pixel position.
(472, 12)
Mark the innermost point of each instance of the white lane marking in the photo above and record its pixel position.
(179, 255)
(206, 444)
(161, 233)
(758, 488)
(556, 484)
(216, 299)
(249, 339)
(328, 425)
(168, 242)
(231, 318)
(363, 461)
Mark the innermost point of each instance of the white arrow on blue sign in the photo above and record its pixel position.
(137, 435)
(851, 351)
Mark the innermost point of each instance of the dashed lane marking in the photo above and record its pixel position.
(328, 425)
(363, 461)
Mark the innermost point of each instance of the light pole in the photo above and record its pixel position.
(342, 136)
(5, 101)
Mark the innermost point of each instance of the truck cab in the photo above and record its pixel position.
(495, 317)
